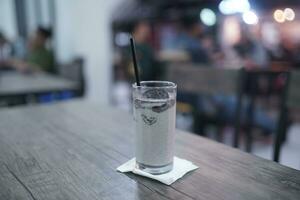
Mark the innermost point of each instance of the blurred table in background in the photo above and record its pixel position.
(20, 85)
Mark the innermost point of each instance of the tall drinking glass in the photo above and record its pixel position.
(154, 107)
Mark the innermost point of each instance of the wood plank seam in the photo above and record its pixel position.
(152, 190)
(185, 194)
(21, 182)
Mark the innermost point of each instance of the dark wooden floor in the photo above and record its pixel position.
(70, 151)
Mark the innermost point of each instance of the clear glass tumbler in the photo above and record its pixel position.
(154, 107)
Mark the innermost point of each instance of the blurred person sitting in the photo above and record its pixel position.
(190, 40)
(252, 53)
(289, 51)
(5, 52)
(39, 57)
(149, 67)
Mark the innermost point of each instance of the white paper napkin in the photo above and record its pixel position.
(180, 168)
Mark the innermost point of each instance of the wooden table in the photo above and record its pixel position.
(71, 150)
(17, 84)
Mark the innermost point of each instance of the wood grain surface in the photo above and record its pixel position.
(71, 150)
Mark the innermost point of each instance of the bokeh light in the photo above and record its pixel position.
(228, 7)
(231, 30)
(122, 39)
(279, 16)
(250, 17)
(289, 14)
(208, 17)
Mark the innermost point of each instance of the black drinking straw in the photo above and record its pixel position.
(136, 71)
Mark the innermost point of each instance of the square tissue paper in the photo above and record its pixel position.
(180, 168)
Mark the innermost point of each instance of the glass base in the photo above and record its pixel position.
(155, 170)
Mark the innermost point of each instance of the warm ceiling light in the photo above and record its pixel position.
(289, 14)
(279, 16)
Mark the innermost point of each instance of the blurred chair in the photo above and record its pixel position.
(194, 82)
(75, 72)
(275, 84)
(244, 85)
(290, 100)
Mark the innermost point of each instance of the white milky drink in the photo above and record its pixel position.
(154, 113)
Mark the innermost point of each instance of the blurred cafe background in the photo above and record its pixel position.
(235, 62)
